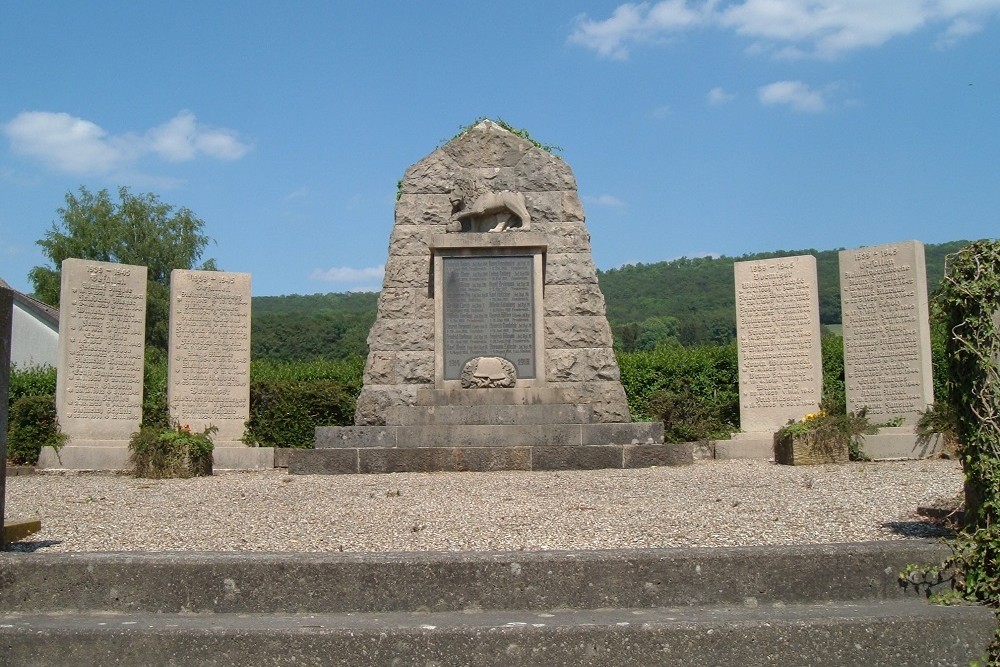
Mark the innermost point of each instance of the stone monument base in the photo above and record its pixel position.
(505, 431)
(746, 446)
(113, 457)
(901, 443)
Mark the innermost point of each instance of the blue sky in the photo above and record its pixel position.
(693, 127)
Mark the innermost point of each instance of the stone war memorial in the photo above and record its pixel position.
(778, 349)
(887, 345)
(102, 325)
(491, 349)
(208, 377)
(99, 380)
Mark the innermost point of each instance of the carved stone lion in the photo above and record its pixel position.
(488, 373)
(475, 208)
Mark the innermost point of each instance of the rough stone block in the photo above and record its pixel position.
(577, 332)
(592, 457)
(489, 414)
(414, 368)
(669, 454)
(581, 365)
(573, 300)
(634, 433)
(375, 399)
(570, 268)
(354, 437)
(482, 435)
(413, 239)
(420, 211)
(516, 396)
(435, 174)
(444, 459)
(323, 462)
(391, 334)
(487, 145)
(607, 399)
(540, 171)
(565, 237)
(241, 457)
(407, 271)
(405, 303)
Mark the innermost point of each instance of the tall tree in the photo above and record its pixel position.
(137, 229)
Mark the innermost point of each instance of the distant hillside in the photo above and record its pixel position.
(694, 299)
(691, 300)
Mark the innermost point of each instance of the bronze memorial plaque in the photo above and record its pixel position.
(489, 311)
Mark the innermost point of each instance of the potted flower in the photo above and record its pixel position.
(822, 437)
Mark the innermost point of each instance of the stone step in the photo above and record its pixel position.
(514, 396)
(900, 633)
(382, 460)
(494, 435)
(323, 583)
(426, 415)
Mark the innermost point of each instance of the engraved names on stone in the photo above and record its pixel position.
(780, 361)
(489, 311)
(6, 324)
(209, 358)
(887, 361)
(102, 324)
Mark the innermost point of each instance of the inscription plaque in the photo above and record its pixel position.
(887, 362)
(778, 343)
(209, 361)
(102, 328)
(6, 323)
(488, 309)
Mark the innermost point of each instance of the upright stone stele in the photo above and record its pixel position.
(887, 343)
(102, 326)
(6, 322)
(209, 362)
(778, 347)
(491, 348)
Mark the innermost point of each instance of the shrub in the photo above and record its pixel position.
(154, 390)
(285, 413)
(159, 453)
(31, 381)
(32, 425)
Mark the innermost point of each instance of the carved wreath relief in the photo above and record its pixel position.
(488, 373)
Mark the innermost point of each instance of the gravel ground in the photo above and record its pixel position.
(712, 503)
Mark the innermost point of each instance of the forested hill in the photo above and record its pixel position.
(691, 300)
(694, 299)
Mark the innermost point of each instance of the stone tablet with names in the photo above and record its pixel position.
(778, 338)
(209, 357)
(489, 312)
(102, 327)
(887, 350)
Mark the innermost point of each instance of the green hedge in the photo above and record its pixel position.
(285, 413)
(32, 425)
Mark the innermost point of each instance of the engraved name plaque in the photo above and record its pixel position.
(488, 312)
(777, 331)
(102, 324)
(887, 355)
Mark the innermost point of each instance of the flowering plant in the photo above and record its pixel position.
(171, 452)
(829, 430)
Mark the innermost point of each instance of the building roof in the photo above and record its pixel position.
(41, 311)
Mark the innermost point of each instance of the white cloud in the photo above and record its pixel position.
(796, 94)
(75, 145)
(958, 30)
(367, 279)
(633, 23)
(718, 96)
(786, 28)
(605, 200)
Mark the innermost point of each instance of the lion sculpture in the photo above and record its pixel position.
(489, 211)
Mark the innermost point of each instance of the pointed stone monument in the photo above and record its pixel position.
(491, 349)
